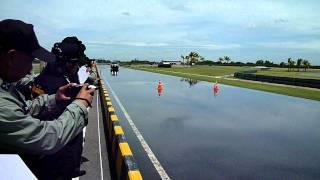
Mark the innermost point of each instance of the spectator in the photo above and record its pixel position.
(21, 130)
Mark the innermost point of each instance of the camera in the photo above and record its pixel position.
(75, 89)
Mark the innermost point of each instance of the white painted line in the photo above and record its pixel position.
(100, 156)
(144, 144)
(84, 135)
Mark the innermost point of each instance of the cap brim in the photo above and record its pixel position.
(43, 55)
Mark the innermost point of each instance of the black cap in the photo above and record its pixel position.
(15, 34)
(70, 49)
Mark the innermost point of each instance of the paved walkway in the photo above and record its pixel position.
(95, 155)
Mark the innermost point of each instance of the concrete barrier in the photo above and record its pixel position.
(122, 161)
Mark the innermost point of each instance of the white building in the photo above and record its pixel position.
(172, 62)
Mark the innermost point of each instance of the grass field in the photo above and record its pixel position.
(210, 73)
(202, 70)
(309, 74)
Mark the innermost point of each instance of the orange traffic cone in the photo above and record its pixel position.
(159, 88)
(215, 88)
(160, 85)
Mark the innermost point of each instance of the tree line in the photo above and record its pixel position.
(301, 63)
(194, 58)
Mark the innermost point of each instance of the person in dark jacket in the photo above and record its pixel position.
(64, 164)
(22, 130)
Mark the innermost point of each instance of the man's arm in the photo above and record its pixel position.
(42, 105)
(22, 133)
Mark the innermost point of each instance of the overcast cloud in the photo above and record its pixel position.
(155, 30)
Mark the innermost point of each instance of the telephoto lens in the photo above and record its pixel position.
(74, 90)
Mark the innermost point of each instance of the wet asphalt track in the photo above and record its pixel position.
(237, 133)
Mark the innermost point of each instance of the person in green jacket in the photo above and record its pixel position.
(21, 130)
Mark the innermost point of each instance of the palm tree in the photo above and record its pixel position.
(194, 57)
(299, 61)
(187, 59)
(289, 64)
(182, 58)
(221, 60)
(292, 63)
(227, 59)
(306, 64)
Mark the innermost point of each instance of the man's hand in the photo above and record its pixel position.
(62, 93)
(86, 95)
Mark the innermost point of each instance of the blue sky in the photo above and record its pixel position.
(156, 30)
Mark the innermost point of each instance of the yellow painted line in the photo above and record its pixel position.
(118, 130)
(146, 147)
(111, 109)
(106, 95)
(125, 149)
(114, 117)
(108, 99)
(134, 175)
(109, 103)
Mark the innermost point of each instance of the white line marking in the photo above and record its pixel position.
(101, 170)
(84, 134)
(144, 144)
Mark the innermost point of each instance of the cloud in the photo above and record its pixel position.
(280, 20)
(159, 44)
(310, 45)
(211, 26)
(221, 46)
(134, 44)
(126, 13)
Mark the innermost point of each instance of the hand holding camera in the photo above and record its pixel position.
(72, 91)
(86, 94)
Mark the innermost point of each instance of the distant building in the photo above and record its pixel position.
(164, 64)
(172, 62)
(261, 67)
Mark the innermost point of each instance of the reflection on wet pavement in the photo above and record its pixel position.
(235, 133)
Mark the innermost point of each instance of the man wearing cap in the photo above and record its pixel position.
(21, 130)
(64, 70)
(92, 69)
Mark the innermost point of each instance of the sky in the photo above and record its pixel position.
(244, 30)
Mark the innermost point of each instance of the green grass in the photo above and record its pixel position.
(222, 70)
(283, 72)
(202, 70)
